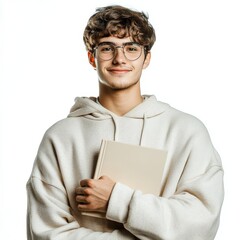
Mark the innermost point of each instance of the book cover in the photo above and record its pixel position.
(138, 167)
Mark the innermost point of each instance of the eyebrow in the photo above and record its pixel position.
(113, 43)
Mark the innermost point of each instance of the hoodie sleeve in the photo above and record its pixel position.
(49, 214)
(192, 212)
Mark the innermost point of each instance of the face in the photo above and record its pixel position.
(119, 72)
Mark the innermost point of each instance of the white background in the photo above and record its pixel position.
(195, 68)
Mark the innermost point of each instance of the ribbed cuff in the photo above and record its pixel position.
(119, 203)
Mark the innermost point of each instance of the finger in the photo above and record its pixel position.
(84, 183)
(83, 207)
(87, 183)
(103, 177)
(80, 190)
(81, 199)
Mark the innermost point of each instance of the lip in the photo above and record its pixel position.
(119, 70)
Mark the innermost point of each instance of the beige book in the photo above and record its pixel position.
(139, 167)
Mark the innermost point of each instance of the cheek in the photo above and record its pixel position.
(101, 68)
(99, 65)
(100, 73)
(139, 67)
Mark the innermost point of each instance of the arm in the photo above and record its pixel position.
(49, 214)
(190, 210)
(191, 213)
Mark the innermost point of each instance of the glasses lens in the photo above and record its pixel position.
(106, 51)
(132, 51)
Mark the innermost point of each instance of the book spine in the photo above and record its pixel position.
(100, 159)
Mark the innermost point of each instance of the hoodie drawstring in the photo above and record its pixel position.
(115, 135)
(143, 128)
(115, 128)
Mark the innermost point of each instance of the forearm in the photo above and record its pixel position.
(192, 211)
(49, 217)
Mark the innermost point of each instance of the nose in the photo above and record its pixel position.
(119, 56)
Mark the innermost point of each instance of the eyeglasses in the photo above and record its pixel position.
(107, 50)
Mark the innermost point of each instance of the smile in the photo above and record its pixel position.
(119, 70)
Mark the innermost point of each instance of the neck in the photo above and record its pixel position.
(119, 101)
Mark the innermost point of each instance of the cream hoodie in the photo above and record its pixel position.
(187, 208)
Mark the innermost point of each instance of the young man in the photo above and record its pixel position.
(61, 188)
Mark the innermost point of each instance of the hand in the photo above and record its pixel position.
(94, 194)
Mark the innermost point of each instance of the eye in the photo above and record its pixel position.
(106, 48)
(132, 48)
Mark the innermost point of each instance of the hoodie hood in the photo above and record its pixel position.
(150, 107)
(89, 107)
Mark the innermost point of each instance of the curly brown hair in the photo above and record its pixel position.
(120, 22)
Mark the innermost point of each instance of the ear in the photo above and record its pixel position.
(147, 60)
(91, 59)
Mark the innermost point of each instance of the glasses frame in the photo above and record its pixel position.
(115, 51)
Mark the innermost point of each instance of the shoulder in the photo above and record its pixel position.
(184, 122)
(181, 117)
(173, 115)
(63, 127)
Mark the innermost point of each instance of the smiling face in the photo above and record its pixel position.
(119, 73)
